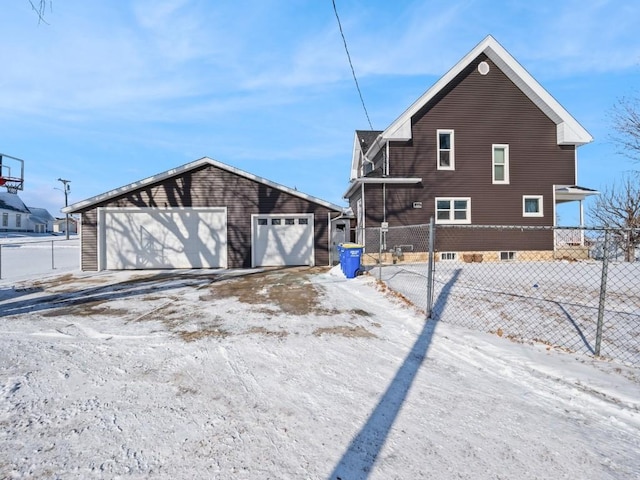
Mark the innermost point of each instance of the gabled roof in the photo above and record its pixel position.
(362, 142)
(187, 168)
(11, 201)
(569, 131)
(40, 215)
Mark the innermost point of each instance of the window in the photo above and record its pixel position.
(453, 210)
(507, 256)
(262, 221)
(289, 221)
(445, 150)
(448, 256)
(303, 221)
(276, 221)
(500, 163)
(532, 206)
(5, 219)
(18, 220)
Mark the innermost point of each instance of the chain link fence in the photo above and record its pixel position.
(25, 258)
(576, 289)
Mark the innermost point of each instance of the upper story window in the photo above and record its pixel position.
(500, 163)
(532, 206)
(446, 157)
(453, 210)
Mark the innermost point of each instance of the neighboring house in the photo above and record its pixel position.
(40, 220)
(60, 225)
(204, 214)
(486, 145)
(14, 214)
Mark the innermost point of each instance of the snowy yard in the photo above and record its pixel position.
(289, 374)
(552, 302)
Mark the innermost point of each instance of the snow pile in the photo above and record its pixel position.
(289, 375)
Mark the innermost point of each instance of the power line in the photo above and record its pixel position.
(344, 40)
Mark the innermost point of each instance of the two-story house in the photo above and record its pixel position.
(485, 145)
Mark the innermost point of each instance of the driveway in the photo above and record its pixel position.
(288, 374)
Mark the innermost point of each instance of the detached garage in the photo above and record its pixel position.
(204, 214)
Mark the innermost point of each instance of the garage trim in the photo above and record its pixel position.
(309, 258)
(102, 226)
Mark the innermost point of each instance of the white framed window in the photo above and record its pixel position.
(5, 219)
(262, 221)
(453, 210)
(500, 162)
(448, 256)
(507, 256)
(18, 220)
(532, 206)
(303, 221)
(446, 156)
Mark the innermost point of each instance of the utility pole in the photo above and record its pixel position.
(66, 190)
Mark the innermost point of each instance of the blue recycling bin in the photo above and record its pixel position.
(351, 259)
(340, 250)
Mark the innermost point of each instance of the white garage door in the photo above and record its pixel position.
(279, 240)
(151, 238)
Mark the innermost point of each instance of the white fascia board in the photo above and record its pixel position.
(355, 159)
(185, 168)
(571, 132)
(378, 181)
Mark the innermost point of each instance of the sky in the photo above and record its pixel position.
(107, 93)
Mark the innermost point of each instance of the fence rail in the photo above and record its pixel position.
(582, 294)
(26, 258)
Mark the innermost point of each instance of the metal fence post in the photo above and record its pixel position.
(53, 266)
(603, 292)
(430, 268)
(380, 256)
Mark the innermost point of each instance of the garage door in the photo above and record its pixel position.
(151, 238)
(279, 240)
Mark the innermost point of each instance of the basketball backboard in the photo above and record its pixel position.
(11, 173)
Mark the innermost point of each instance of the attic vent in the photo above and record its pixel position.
(483, 68)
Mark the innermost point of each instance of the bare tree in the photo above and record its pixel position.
(40, 7)
(618, 208)
(626, 122)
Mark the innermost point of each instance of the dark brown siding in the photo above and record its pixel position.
(209, 186)
(89, 241)
(482, 110)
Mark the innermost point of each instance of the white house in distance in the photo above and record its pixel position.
(15, 216)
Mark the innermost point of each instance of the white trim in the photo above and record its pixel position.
(311, 223)
(101, 250)
(505, 147)
(394, 180)
(452, 149)
(452, 221)
(540, 212)
(452, 254)
(509, 253)
(568, 130)
(186, 168)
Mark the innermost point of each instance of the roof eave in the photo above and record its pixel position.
(570, 132)
(76, 207)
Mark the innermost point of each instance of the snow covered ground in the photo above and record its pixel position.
(25, 255)
(289, 374)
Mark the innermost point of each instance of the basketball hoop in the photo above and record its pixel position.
(11, 173)
(11, 184)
